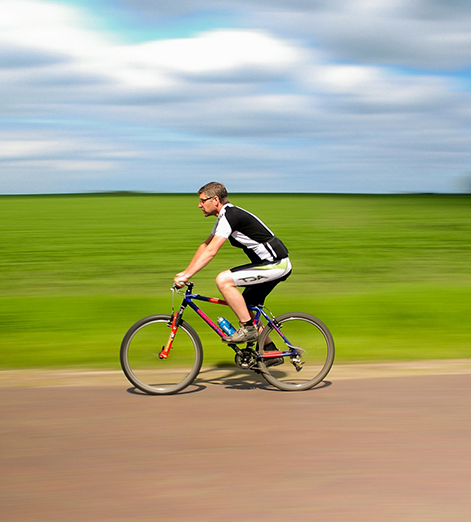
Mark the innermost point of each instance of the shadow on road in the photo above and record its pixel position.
(193, 388)
(233, 379)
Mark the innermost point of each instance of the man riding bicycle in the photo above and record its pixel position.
(269, 261)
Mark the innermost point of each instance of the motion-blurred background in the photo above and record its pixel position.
(388, 274)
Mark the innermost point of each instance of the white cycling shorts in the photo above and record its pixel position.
(258, 273)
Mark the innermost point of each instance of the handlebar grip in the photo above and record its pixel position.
(189, 284)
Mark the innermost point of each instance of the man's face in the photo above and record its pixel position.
(207, 205)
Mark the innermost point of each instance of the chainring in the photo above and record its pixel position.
(246, 359)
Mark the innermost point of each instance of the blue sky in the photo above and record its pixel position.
(271, 96)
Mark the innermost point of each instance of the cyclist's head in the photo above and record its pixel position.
(215, 189)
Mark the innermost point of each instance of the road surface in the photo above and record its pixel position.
(380, 443)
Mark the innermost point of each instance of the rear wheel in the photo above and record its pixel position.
(140, 356)
(314, 352)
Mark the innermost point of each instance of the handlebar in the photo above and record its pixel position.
(188, 284)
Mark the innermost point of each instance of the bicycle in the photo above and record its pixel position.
(158, 362)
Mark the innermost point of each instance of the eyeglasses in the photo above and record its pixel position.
(206, 199)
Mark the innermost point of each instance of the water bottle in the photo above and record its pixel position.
(226, 326)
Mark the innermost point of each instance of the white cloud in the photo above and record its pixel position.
(56, 30)
(86, 168)
(377, 89)
(49, 27)
(219, 50)
(14, 148)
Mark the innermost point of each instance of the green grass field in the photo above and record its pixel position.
(389, 275)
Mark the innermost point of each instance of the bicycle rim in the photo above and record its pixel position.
(140, 356)
(314, 347)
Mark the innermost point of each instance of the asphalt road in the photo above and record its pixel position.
(383, 449)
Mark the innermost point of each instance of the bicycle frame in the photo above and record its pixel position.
(188, 300)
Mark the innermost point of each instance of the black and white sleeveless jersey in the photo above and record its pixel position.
(246, 231)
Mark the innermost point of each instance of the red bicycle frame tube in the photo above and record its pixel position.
(187, 301)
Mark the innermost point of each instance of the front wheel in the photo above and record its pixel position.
(140, 360)
(312, 348)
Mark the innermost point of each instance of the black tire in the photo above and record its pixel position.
(140, 361)
(315, 347)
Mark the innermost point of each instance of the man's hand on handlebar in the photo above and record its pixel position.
(180, 280)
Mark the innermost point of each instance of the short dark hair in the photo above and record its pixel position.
(215, 189)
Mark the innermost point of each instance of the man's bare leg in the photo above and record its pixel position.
(234, 298)
(236, 301)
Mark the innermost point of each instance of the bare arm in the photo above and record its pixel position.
(200, 250)
(203, 256)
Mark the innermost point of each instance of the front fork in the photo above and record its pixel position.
(174, 323)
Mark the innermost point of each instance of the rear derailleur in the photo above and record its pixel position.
(296, 361)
